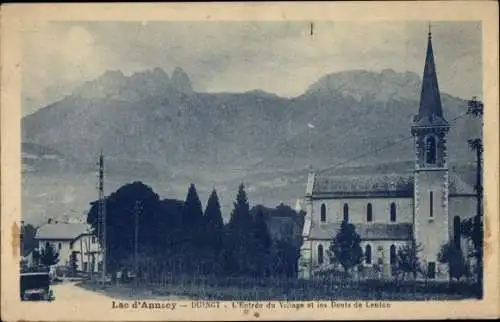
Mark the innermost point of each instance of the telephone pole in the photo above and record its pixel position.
(102, 215)
(137, 209)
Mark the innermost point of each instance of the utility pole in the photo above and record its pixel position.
(102, 215)
(137, 209)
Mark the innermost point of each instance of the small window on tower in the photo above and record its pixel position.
(431, 204)
(430, 150)
(369, 213)
(393, 212)
(346, 212)
(323, 212)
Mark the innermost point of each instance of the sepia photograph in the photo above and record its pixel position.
(251, 165)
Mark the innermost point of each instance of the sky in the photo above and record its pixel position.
(277, 57)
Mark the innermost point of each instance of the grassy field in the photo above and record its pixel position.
(284, 290)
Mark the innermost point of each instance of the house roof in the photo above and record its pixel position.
(61, 231)
(368, 231)
(458, 186)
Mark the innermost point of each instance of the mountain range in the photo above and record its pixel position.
(156, 128)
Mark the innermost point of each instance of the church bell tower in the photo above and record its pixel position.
(429, 130)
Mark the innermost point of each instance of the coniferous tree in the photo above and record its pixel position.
(192, 211)
(260, 244)
(214, 230)
(240, 217)
(239, 237)
(192, 224)
(345, 247)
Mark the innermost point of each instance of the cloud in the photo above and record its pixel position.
(55, 59)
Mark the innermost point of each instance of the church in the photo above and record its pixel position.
(389, 209)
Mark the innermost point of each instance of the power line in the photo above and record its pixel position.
(384, 147)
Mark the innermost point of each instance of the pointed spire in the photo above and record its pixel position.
(430, 111)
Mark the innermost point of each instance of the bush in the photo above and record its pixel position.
(61, 271)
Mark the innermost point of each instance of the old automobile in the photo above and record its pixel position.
(35, 285)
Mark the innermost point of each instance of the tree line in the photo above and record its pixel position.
(183, 238)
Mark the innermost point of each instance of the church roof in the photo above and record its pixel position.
(430, 111)
(368, 231)
(378, 185)
(366, 184)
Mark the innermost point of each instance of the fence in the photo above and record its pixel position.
(251, 288)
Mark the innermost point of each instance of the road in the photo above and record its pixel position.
(69, 291)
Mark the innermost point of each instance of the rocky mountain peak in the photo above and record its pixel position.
(361, 84)
(181, 81)
(113, 83)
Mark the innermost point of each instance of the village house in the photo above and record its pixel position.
(67, 238)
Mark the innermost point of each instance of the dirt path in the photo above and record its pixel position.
(71, 292)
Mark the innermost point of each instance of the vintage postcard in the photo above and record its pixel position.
(249, 161)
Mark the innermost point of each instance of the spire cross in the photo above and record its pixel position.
(429, 29)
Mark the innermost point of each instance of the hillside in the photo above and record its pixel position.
(153, 127)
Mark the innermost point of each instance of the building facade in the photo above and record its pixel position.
(390, 209)
(68, 238)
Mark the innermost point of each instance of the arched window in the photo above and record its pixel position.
(346, 212)
(320, 254)
(368, 254)
(47, 245)
(393, 212)
(431, 204)
(456, 231)
(393, 255)
(369, 213)
(430, 150)
(323, 212)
